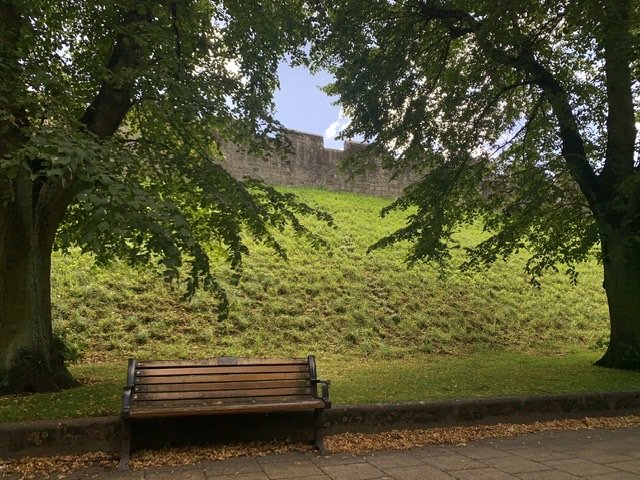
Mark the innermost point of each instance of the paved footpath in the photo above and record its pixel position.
(569, 455)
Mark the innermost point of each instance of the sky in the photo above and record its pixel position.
(302, 106)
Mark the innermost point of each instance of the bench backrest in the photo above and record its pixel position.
(166, 385)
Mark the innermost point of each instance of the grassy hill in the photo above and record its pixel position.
(381, 332)
(335, 302)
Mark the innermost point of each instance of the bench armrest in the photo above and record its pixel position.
(127, 393)
(324, 384)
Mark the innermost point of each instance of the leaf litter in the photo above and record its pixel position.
(60, 466)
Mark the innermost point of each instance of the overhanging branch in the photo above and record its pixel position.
(105, 113)
(459, 22)
(107, 110)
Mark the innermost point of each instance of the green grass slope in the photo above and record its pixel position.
(339, 302)
(381, 332)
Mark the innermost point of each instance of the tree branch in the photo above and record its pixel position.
(107, 110)
(176, 29)
(105, 113)
(573, 148)
(458, 22)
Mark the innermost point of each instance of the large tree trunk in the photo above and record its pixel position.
(28, 358)
(621, 259)
(31, 209)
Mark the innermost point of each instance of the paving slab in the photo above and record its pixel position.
(338, 459)
(483, 474)
(547, 475)
(613, 476)
(188, 473)
(384, 460)
(572, 455)
(240, 476)
(632, 466)
(539, 453)
(430, 451)
(603, 456)
(418, 472)
(483, 451)
(353, 471)
(581, 466)
(514, 464)
(232, 466)
(133, 475)
(285, 470)
(453, 461)
(284, 458)
(311, 477)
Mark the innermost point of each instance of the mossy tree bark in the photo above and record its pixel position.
(618, 193)
(28, 360)
(621, 259)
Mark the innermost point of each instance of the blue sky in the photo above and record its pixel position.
(300, 105)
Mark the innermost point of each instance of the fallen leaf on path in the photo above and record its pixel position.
(63, 465)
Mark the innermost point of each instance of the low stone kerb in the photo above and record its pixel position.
(48, 437)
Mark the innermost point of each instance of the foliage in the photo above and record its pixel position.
(521, 113)
(429, 96)
(118, 103)
(406, 324)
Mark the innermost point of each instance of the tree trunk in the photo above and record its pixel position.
(29, 361)
(621, 259)
(32, 204)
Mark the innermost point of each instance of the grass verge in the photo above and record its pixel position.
(381, 332)
(430, 377)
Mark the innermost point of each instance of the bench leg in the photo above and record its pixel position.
(126, 445)
(318, 431)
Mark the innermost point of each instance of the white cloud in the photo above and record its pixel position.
(336, 127)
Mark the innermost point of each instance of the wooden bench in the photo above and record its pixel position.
(221, 386)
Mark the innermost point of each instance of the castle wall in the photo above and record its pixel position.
(311, 165)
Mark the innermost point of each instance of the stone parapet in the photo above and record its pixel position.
(309, 164)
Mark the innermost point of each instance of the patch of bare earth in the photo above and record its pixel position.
(63, 465)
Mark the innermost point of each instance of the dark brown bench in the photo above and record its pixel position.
(221, 386)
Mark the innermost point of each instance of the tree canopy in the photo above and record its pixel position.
(519, 113)
(111, 118)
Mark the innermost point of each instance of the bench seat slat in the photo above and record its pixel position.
(272, 392)
(221, 361)
(223, 378)
(216, 402)
(273, 404)
(185, 387)
(204, 370)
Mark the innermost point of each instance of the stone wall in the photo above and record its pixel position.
(311, 165)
